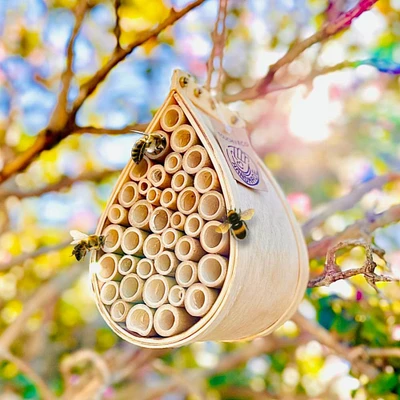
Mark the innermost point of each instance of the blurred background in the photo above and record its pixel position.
(321, 134)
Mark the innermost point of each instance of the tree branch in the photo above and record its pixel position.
(117, 27)
(328, 30)
(348, 201)
(106, 131)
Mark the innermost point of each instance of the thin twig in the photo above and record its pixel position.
(108, 131)
(117, 27)
(348, 201)
(328, 30)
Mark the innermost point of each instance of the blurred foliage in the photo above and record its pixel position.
(320, 139)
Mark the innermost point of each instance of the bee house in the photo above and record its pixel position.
(166, 276)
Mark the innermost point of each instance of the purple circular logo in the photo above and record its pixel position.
(243, 165)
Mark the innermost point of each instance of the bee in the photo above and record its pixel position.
(84, 243)
(235, 222)
(153, 143)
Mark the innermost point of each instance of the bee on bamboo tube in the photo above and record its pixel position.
(152, 143)
(235, 222)
(84, 243)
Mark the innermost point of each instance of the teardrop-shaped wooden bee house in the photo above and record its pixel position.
(200, 242)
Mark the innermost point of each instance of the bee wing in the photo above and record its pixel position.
(223, 228)
(77, 236)
(248, 214)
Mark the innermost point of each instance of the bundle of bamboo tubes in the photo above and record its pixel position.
(166, 276)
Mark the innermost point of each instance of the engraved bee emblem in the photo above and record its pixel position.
(243, 165)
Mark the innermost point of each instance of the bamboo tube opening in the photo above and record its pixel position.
(131, 288)
(181, 180)
(188, 248)
(140, 213)
(152, 246)
(186, 273)
(170, 237)
(199, 299)
(161, 155)
(183, 138)
(159, 220)
(156, 290)
(143, 186)
(205, 180)
(108, 268)
(188, 200)
(193, 225)
(212, 270)
(176, 296)
(118, 215)
(212, 206)
(158, 177)
(178, 220)
(166, 263)
(139, 171)
(195, 159)
(153, 196)
(109, 292)
(169, 199)
(170, 320)
(172, 118)
(119, 310)
(133, 241)
(113, 234)
(140, 320)
(127, 264)
(129, 194)
(145, 268)
(213, 241)
(173, 162)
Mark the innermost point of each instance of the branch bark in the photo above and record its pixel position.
(106, 131)
(329, 29)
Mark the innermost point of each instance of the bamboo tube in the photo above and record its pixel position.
(128, 264)
(140, 320)
(166, 263)
(183, 138)
(181, 180)
(108, 269)
(144, 186)
(188, 200)
(195, 159)
(173, 162)
(193, 225)
(178, 221)
(113, 234)
(145, 268)
(131, 288)
(139, 171)
(170, 320)
(153, 196)
(129, 194)
(140, 213)
(170, 237)
(167, 149)
(176, 296)
(160, 219)
(118, 215)
(199, 299)
(172, 117)
(169, 198)
(212, 269)
(133, 241)
(188, 248)
(109, 292)
(212, 206)
(152, 246)
(186, 273)
(158, 177)
(213, 241)
(119, 310)
(205, 180)
(156, 290)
